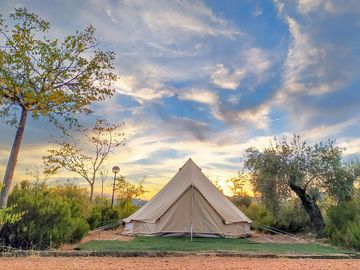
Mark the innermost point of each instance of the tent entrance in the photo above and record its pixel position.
(192, 215)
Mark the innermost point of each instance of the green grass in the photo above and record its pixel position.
(204, 244)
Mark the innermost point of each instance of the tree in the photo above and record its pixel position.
(217, 185)
(103, 138)
(237, 184)
(45, 78)
(307, 170)
(126, 191)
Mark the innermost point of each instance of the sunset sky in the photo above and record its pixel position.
(208, 79)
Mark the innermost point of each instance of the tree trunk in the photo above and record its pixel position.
(9, 173)
(92, 192)
(311, 209)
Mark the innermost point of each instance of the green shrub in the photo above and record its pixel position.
(103, 214)
(343, 224)
(259, 214)
(241, 201)
(290, 217)
(49, 218)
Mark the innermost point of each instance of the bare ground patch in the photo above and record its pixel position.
(175, 263)
(100, 235)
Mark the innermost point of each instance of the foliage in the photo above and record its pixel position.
(259, 214)
(103, 214)
(9, 215)
(291, 165)
(237, 183)
(291, 217)
(80, 206)
(51, 78)
(241, 201)
(103, 138)
(141, 244)
(50, 217)
(343, 223)
(45, 78)
(126, 191)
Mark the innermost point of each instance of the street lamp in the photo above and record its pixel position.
(115, 170)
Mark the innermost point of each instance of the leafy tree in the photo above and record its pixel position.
(103, 138)
(45, 78)
(237, 184)
(291, 165)
(126, 191)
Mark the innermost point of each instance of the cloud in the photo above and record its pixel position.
(256, 117)
(226, 79)
(148, 90)
(141, 20)
(318, 65)
(255, 63)
(329, 6)
(351, 146)
(258, 11)
(199, 95)
(329, 131)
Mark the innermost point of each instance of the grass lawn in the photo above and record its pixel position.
(204, 244)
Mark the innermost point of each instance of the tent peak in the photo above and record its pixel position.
(190, 162)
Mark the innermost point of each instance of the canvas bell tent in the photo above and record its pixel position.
(189, 204)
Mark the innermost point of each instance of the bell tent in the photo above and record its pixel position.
(189, 204)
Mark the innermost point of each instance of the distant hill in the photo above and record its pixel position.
(139, 202)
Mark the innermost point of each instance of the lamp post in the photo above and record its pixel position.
(115, 170)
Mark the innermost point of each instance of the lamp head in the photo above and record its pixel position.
(116, 169)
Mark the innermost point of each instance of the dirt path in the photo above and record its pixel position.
(173, 263)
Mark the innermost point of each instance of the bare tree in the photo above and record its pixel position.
(103, 137)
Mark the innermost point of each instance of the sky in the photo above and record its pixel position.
(208, 79)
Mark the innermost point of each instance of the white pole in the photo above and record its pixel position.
(192, 205)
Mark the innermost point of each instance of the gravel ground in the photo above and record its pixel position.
(173, 263)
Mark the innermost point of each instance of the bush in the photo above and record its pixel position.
(49, 218)
(259, 214)
(241, 201)
(103, 214)
(290, 217)
(343, 224)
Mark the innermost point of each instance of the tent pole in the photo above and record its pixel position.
(191, 213)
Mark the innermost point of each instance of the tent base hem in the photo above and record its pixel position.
(187, 234)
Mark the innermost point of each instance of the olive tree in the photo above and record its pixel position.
(292, 166)
(47, 78)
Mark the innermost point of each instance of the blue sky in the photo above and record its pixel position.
(208, 79)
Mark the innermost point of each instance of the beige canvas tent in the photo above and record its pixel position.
(189, 204)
